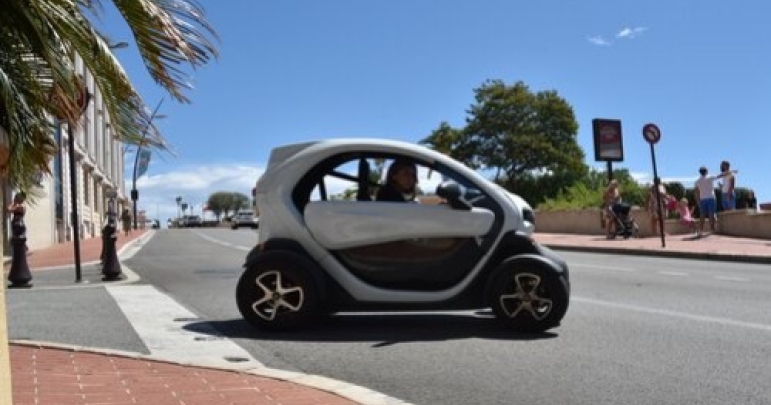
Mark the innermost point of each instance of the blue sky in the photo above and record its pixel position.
(297, 70)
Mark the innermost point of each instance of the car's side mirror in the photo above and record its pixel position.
(452, 192)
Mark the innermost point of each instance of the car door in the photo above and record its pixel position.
(423, 245)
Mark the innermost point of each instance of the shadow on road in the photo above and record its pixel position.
(380, 329)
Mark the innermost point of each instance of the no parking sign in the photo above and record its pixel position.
(651, 133)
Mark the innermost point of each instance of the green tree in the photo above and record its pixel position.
(519, 136)
(38, 43)
(225, 202)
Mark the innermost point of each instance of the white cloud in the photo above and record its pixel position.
(599, 40)
(157, 193)
(631, 33)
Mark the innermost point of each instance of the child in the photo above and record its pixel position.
(686, 215)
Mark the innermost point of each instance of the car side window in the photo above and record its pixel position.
(338, 183)
(357, 177)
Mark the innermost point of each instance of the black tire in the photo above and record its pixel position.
(277, 292)
(234, 226)
(527, 296)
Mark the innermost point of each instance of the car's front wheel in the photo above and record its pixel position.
(527, 296)
(277, 292)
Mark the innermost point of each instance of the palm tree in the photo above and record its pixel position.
(37, 82)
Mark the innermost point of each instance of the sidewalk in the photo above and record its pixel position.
(44, 373)
(50, 374)
(711, 247)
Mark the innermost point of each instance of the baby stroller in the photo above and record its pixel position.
(623, 223)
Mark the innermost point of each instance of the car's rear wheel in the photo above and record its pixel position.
(526, 296)
(277, 292)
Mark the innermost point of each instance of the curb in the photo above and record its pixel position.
(356, 393)
(665, 253)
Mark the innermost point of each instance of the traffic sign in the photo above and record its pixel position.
(651, 133)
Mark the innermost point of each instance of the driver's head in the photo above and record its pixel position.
(402, 175)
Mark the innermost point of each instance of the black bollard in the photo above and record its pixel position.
(110, 264)
(19, 275)
(105, 239)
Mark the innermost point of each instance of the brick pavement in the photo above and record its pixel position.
(59, 376)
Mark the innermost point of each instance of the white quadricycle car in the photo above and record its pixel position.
(326, 245)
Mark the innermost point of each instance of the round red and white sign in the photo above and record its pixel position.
(651, 133)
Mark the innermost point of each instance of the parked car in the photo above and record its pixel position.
(190, 221)
(244, 219)
(319, 253)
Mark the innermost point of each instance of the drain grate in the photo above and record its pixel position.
(236, 359)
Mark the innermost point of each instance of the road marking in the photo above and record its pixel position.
(223, 243)
(662, 272)
(676, 314)
(172, 332)
(673, 273)
(594, 267)
(731, 278)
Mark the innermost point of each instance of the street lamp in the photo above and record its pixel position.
(134, 192)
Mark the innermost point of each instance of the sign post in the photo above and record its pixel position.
(652, 135)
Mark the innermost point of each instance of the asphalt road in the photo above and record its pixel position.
(638, 331)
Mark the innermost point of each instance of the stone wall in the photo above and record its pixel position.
(742, 223)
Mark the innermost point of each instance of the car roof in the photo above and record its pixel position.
(288, 162)
(283, 153)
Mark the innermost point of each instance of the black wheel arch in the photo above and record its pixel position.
(518, 244)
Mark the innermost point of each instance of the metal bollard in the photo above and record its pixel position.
(19, 274)
(110, 265)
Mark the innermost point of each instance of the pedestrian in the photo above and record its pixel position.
(705, 194)
(125, 219)
(728, 195)
(611, 196)
(686, 215)
(656, 204)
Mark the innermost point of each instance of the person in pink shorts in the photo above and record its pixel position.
(686, 215)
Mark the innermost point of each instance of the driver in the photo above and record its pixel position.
(401, 182)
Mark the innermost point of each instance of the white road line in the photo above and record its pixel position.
(662, 272)
(223, 243)
(731, 278)
(172, 332)
(673, 273)
(675, 314)
(595, 267)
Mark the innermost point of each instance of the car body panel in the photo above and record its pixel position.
(341, 224)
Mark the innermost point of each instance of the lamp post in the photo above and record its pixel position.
(134, 191)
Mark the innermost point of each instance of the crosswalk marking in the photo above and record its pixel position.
(172, 332)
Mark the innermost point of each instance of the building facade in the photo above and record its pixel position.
(98, 174)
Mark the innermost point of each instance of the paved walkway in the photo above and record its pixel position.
(710, 247)
(49, 374)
